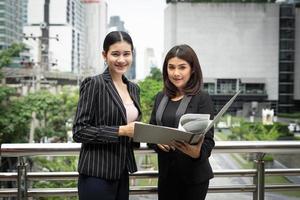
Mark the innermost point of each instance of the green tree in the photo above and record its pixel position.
(56, 164)
(6, 55)
(13, 115)
(255, 131)
(53, 111)
(150, 86)
(155, 74)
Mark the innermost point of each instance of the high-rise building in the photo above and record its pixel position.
(149, 60)
(116, 24)
(24, 11)
(48, 20)
(10, 22)
(253, 47)
(96, 29)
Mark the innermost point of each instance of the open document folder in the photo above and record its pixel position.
(191, 128)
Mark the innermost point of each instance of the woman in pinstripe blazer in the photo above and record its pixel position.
(104, 124)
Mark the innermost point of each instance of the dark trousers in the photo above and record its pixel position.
(93, 188)
(173, 188)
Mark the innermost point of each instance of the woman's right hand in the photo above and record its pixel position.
(127, 130)
(165, 147)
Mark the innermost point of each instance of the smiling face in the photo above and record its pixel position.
(118, 57)
(179, 72)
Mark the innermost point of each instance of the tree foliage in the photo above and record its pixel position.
(6, 55)
(52, 111)
(150, 86)
(257, 131)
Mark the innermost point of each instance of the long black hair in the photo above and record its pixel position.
(194, 85)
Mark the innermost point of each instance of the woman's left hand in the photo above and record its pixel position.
(189, 149)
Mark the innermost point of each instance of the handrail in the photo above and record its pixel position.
(260, 148)
(54, 149)
(35, 176)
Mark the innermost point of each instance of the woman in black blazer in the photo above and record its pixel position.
(104, 124)
(184, 169)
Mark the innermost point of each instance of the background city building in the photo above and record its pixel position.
(57, 18)
(242, 46)
(150, 60)
(96, 29)
(10, 22)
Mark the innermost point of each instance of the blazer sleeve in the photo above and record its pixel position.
(208, 144)
(84, 129)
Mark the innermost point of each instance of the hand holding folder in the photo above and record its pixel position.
(191, 128)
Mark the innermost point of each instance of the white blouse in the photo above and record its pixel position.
(131, 112)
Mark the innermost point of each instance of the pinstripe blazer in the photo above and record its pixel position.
(100, 112)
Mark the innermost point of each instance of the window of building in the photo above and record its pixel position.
(287, 33)
(226, 86)
(286, 11)
(286, 98)
(209, 87)
(287, 23)
(286, 67)
(286, 89)
(288, 55)
(286, 77)
(287, 44)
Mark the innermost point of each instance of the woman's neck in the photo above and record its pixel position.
(178, 96)
(117, 78)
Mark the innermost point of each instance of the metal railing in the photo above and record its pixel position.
(258, 188)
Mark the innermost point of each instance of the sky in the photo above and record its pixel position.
(144, 20)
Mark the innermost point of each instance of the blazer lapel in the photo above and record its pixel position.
(114, 94)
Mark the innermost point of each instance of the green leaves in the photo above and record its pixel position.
(255, 131)
(52, 111)
(7, 54)
(150, 86)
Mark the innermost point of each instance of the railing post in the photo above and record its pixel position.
(259, 179)
(22, 179)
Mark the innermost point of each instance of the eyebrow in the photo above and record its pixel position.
(120, 51)
(179, 64)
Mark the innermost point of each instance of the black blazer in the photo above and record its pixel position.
(99, 114)
(188, 170)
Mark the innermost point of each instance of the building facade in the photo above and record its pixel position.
(59, 29)
(10, 22)
(96, 29)
(241, 46)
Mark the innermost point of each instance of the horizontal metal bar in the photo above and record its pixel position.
(136, 190)
(235, 173)
(285, 187)
(56, 149)
(280, 172)
(8, 176)
(8, 192)
(33, 176)
(232, 189)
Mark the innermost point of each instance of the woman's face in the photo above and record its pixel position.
(179, 72)
(118, 57)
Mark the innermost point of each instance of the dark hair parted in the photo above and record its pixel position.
(195, 82)
(114, 37)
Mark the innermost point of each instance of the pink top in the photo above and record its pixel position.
(131, 112)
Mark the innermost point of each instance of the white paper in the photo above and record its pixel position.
(190, 129)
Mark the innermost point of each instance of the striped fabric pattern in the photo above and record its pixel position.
(100, 112)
